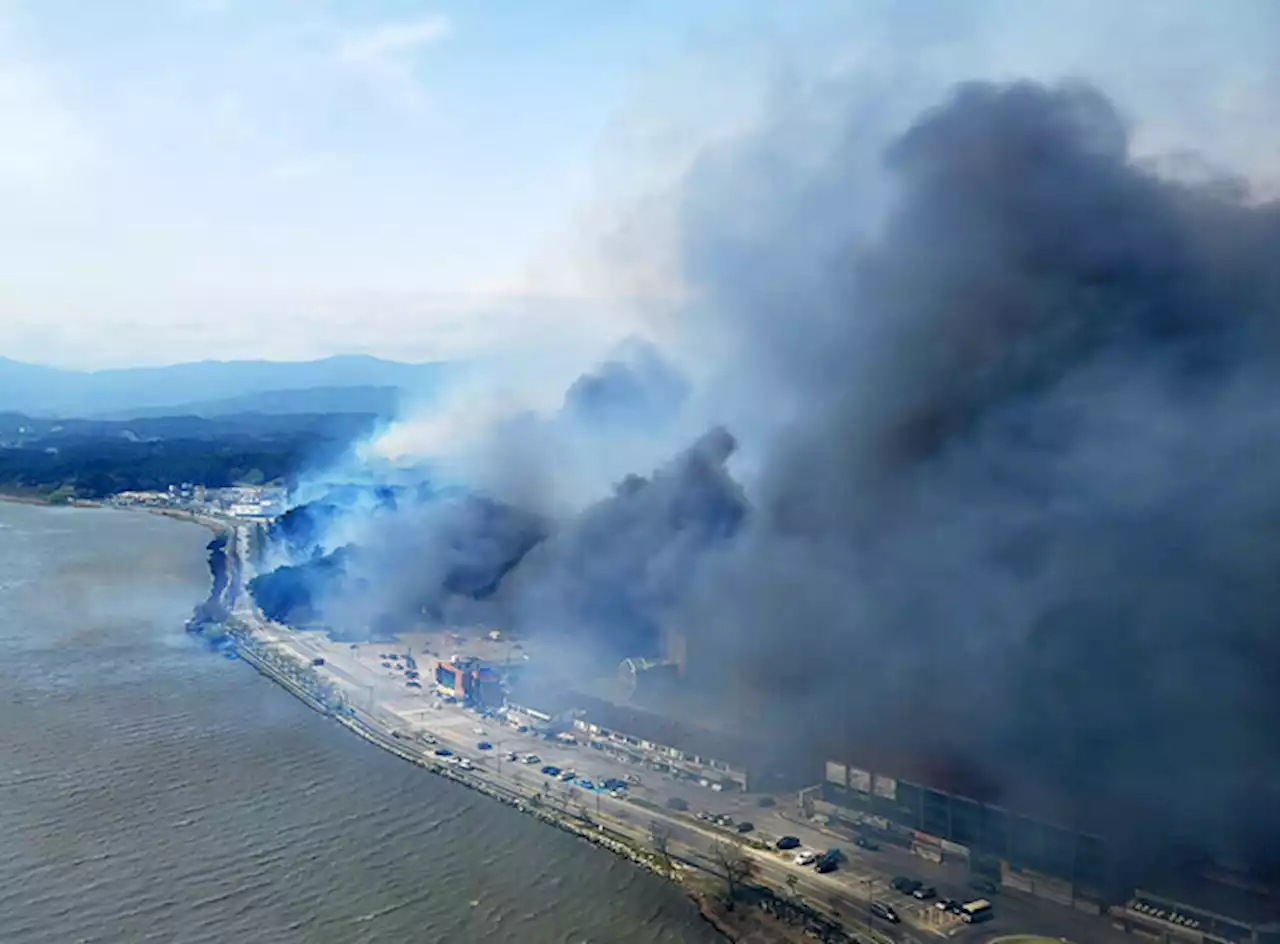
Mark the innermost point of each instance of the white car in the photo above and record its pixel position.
(531, 758)
(806, 857)
(466, 764)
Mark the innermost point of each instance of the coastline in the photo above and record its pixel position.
(765, 915)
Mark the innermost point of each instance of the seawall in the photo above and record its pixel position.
(764, 916)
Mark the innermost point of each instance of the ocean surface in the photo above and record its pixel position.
(153, 791)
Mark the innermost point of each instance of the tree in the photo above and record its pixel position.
(660, 838)
(734, 867)
(792, 884)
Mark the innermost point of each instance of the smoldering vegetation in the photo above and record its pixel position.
(1022, 521)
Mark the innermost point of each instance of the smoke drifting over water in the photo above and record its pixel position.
(1017, 436)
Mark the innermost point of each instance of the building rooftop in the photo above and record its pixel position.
(668, 732)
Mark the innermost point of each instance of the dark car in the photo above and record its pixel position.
(949, 905)
(904, 884)
(862, 842)
(983, 885)
(677, 803)
(882, 910)
(443, 752)
(789, 842)
(745, 827)
(925, 892)
(551, 770)
(484, 746)
(825, 864)
(613, 783)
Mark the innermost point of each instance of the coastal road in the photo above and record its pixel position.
(383, 699)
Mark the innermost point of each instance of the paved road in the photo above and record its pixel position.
(381, 695)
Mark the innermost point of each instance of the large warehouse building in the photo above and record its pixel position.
(1069, 863)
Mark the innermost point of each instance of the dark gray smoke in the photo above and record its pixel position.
(1028, 511)
(611, 575)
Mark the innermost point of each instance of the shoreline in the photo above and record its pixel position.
(599, 834)
(763, 916)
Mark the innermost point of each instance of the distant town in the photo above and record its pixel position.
(247, 502)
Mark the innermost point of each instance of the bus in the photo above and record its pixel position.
(977, 911)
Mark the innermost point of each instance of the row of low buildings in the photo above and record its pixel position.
(242, 501)
(930, 813)
(686, 751)
(1032, 854)
(659, 742)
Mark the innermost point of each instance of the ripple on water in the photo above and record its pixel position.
(152, 792)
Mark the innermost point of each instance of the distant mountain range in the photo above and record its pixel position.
(346, 384)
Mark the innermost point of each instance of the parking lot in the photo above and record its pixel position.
(863, 875)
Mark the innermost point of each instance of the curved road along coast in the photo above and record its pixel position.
(354, 692)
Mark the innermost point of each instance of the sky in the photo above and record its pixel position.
(190, 179)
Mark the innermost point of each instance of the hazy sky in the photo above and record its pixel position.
(283, 178)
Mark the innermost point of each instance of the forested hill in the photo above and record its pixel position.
(77, 458)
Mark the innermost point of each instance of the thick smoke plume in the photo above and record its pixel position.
(1028, 510)
(614, 573)
(1017, 500)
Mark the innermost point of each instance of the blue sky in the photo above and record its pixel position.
(268, 159)
(286, 178)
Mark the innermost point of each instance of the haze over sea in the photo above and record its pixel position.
(152, 791)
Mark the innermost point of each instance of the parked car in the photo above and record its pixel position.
(484, 746)
(825, 864)
(745, 827)
(925, 892)
(676, 803)
(551, 770)
(904, 884)
(885, 911)
(567, 775)
(443, 752)
(805, 857)
(949, 905)
(862, 842)
(531, 758)
(983, 885)
(789, 842)
(586, 785)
